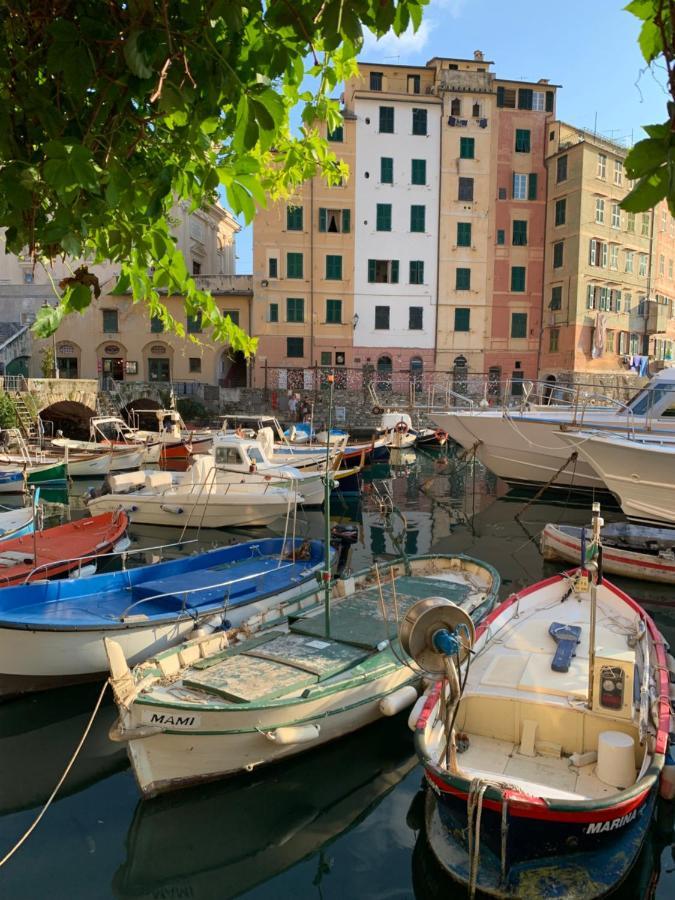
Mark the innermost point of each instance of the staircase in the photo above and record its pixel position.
(26, 416)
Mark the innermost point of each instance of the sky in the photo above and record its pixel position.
(589, 47)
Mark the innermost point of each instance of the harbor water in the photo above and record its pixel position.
(341, 822)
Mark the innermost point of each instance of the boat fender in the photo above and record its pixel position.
(578, 760)
(294, 734)
(176, 510)
(398, 701)
(382, 646)
(416, 711)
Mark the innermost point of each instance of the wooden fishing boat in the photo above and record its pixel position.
(59, 550)
(543, 747)
(243, 832)
(15, 523)
(654, 561)
(431, 438)
(227, 703)
(52, 633)
(15, 476)
(87, 458)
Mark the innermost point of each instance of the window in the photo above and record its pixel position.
(294, 265)
(662, 265)
(326, 358)
(464, 234)
(623, 342)
(295, 347)
(553, 336)
(590, 297)
(194, 324)
(333, 267)
(558, 252)
(525, 98)
(518, 325)
(560, 211)
(518, 278)
(273, 312)
(386, 170)
(645, 224)
(664, 220)
(376, 81)
(466, 148)
(110, 321)
(501, 236)
(630, 254)
(28, 277)
(159, 370)
(561, 169)
(462, 319)
(670, 268)
(334, 221)
(463, 279)
(603, 258)
(417, 217)
(456, 107)
(556, 297)
(294, 218)
(336, 135)
(642, 269)
(618, 171)
(609, 341)
(616, 215)
(538, 100)
(519, 233)
(599, 210)
(506, 97)
(519, 187)
(383, 217)
(413, 84)
(386, 120)
(532, 187)
(272, 267)
(630, 222)
(195, 364)
(502, 193)
(416, 271)
(156, 325)
(614, 256)
(634, 344)
(475, 110)
(415, 318)
(334, 312)
(602, 165)
(419, 171)
(465, 189)
(295, 309)
(383, 271)
(522, 140)
(382, 318)
(419, 121)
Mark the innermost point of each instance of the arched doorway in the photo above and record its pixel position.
(384, 372)
(67, 359)
(416, 372)
(140, 414)
(111, 361)
(548, 389)
(18, 366)
(68, 416)
(460, 375)
(232, 369)
(158, 361)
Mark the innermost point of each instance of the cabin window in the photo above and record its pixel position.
(255, 455)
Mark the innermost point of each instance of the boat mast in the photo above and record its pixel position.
(594, 567)
(326, 509)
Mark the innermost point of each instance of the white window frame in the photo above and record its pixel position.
(600, 210)
(602, 165)
(618, 171)
(670, 268)
(604, 254)
(614, 257)
(662, 264)
(642, 268)
(630, 256)
(539, 101)
(616, 215)
(521, 182)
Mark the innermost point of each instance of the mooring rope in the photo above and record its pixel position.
(63, 777)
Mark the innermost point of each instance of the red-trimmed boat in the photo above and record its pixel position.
(543, 747)
(60, 550)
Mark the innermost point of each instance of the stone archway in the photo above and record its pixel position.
(232, 371)
(68, 416)
(139, 413)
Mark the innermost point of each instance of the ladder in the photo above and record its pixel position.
(109, 401)
(26, 418)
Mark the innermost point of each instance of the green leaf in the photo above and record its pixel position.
(658, 131)
(643, 9)
(77, 298)
(47, 320)
(123, 285)
(134, 57)
(644, 157)
(72, 244)
(648, 192)
(650, 41)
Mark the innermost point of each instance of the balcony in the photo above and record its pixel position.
(465, 80)
(225, 284)
(658, 315)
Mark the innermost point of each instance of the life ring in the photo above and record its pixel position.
(377, 410)
(440, 435)
(401, 428)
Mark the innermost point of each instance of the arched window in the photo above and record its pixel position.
(384, 370)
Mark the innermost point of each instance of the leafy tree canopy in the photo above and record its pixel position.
(110, 110)
(652, 161)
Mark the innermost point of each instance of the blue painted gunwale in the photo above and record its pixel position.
(97, 602)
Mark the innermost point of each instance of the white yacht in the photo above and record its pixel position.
(524, 445)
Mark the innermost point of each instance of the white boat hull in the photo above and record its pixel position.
(231, 741)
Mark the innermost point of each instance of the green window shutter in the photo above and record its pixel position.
(466, 148)
(500, 96)
(383, 217)
(294, 218)
(386, 119)
(346, 221)
(463, 279)
(394, 271)
(419, 171)
(556, 297)
(417, 218)
(549, 101)
(333, 267)
(522, 140)
(337, 135)
(274, 312)
(416, 271)
(518, 278)
(462, 319)
(371, 270)
(272, 267)
(518, 325)
(334, 312)
(386, 170)
(295, 309)
(560, 211)
(525, 98)
(294, 265)
(156, 325)
(501, 236)
(322, 218)
(532, 187)
(464, 234)
(519, 233)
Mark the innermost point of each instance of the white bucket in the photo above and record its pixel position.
(616, 759)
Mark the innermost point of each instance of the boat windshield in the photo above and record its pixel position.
(659, 400)
(255, 455)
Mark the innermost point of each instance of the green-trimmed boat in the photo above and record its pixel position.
(232, 701)
(14, 477)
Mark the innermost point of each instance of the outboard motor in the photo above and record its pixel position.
(343, 537)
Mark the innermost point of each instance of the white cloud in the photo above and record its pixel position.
(410, 43)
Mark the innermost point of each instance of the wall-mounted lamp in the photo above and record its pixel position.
(355, 320)
(264, 283)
